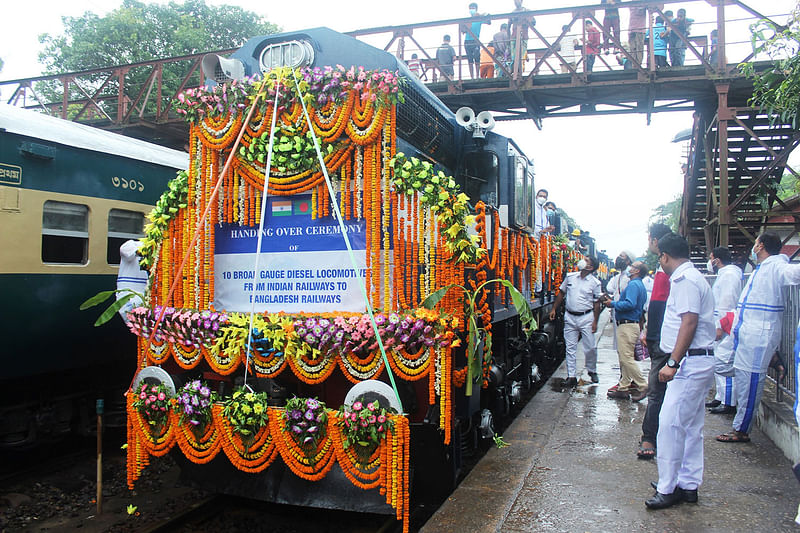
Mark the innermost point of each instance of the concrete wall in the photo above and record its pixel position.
(776, 419)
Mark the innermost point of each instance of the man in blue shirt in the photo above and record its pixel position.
(628, 313)
(471, 46)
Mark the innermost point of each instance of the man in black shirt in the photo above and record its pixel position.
(444, 57)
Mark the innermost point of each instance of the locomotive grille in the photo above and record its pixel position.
(422, 125)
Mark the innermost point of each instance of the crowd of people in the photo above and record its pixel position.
(698, 336)
(576, 48)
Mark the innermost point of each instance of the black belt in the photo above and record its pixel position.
(620, 322)
(581, 313)
(697, 351)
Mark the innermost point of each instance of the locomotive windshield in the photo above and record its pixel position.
(480, 176)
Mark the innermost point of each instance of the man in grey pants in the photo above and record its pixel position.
(655, 316)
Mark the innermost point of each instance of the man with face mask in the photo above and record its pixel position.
(615, 286)
(627, 314)
(539, 213)
(726, 290)
(687, 337)
(756, 330)
(471, 46)
(582, 293)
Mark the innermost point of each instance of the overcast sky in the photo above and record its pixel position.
(607, 172)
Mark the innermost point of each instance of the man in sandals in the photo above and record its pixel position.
(756, 331)
(655, 315)
(687, 336)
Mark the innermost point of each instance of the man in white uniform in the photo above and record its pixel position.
(756, 331)
(582, 293)
(539, 213)
(726, 291)
(687, 337)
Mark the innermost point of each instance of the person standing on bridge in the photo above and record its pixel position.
(687, 337)
(637, 27)
(611, 25)
(592, 45)
(652, 338)
(583, 295)
(756, 330)
(726, 290)
(518, 26)
(444, 57)
(501, 48)
(658, 40)
(471, 39)
(677, 47)
(567, 49)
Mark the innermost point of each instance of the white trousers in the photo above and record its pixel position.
(725, 391)
(748, 386)
(574, 325)
(680, 425)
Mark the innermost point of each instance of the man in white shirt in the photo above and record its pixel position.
(539, 214)
(687, 336)
(726, 290)
(756, 330)
(582, 293)
(567, 51)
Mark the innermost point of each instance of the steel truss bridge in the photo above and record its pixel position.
(736, 155)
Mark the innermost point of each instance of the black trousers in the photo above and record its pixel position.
(655, 394)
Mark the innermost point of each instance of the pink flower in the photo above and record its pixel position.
(161, 396)
(147, 402)
(380, 429)
(364, 423)
(357, 406)
(152, 398)
(372, 419)
(381, 419)
(143, 395)
(353, 417)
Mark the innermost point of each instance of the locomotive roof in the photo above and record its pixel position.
(39, 126)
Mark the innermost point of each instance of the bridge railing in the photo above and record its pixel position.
(144, 92)
(786, 385)
(558, 41)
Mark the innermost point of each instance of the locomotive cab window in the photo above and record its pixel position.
(65, 233)
(122, 226)
(522, 207)
(480, 176)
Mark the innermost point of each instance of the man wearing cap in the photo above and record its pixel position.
(687, 337)
(582, 293)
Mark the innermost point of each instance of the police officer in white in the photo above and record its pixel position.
(687, 337)
(756, 330)
(726, 290)
(583, 294)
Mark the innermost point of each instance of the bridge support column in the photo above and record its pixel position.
(724, 114)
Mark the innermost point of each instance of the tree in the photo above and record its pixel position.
(136, 32)
(777, 90)
(668, 213)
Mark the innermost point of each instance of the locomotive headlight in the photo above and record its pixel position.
(292, 54)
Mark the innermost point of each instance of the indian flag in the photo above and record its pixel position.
(281, 208)
(302, 207)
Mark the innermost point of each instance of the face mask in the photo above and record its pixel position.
(473, 11)
(581, 264)
(541, 200)
(753, 255)
(628, 270)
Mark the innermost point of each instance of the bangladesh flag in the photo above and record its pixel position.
(302, 207)
(281, 208)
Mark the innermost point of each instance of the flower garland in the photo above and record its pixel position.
(386, 468)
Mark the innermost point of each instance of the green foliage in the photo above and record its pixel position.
(246, 411)
(138, 31)
(499, 441)
(306, 421)
(442, 195)
(668, 213)
(113, 309)
(173, 199)
(153, 402)
(474, 333)
(365, 424)
(777, 90)
(293, 152)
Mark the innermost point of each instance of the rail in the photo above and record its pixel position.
(786, 388)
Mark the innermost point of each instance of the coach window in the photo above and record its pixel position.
(122, 226)
(65, 233)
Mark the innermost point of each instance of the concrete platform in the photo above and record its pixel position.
(571, 466)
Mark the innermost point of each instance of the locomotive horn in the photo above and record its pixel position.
(485, 120)
(222, 69)
(466, 117)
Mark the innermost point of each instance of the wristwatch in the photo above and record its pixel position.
(672, 363)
